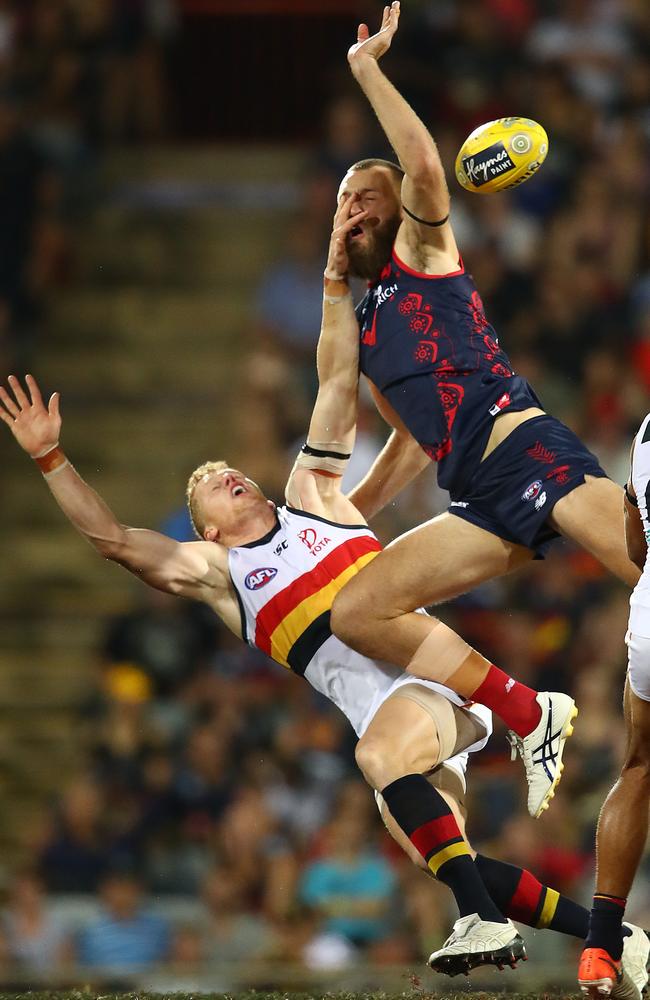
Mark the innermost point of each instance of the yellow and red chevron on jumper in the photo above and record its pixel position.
(295, 622)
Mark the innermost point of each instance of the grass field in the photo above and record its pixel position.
(260, 995)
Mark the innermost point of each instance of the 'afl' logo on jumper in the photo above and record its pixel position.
(532, 491)
(260, 577)
(308, 537)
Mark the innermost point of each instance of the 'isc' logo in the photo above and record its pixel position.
(260, 577)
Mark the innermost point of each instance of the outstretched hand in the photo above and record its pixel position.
(35, 427)
(345, 220)
(374, 46)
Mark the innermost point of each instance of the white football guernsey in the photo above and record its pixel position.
(640, 598)
(286, 583)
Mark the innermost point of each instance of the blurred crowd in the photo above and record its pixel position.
(218, 816)
(212, 777)
(75, 76)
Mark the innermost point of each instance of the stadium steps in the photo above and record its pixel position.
(146, 348)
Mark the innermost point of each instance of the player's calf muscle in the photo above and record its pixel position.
(638, 755)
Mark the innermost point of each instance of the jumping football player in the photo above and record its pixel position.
(517, 477)
(271, 575)
(623, 825)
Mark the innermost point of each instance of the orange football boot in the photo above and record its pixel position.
(600, 975)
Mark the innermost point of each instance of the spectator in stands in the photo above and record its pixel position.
(348, 136)
(121, 732)
(592, 39)
(170, 641)
(289, 300)
(24, 191)
(186, 970)
(77, 854)
(32, 939)
(203, 783)
(136, 95)
(231, 932)
(125, 937)
(262, 859)
(350, 885)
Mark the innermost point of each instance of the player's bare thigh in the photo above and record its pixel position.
(592, 516)
(405, 738)
(402, 738)
(437, 561)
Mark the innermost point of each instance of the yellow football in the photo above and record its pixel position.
(500, 155)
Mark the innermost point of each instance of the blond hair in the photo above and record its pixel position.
(198, 521)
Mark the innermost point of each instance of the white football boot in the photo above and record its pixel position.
(475, 942)
(541, 751)
(634, 961)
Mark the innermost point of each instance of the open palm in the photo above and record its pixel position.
(376, 45)
(35, 427)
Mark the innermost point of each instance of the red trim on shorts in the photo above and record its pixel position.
(431, 277)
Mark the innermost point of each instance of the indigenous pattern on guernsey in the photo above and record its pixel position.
(427, 346)
(286, 583)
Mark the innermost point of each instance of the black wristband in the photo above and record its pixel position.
(631, 499)
(317, 453)
(434, 225)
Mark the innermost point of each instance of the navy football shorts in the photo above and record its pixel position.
(513, 491)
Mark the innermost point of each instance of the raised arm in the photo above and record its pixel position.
(425, 240)
(397, 464)
(315, 480)
(191, 569)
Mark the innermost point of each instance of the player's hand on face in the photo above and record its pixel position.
(35, 427)
(348, 215)
(374, 46)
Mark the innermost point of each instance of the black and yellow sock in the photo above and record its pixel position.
(522, 897)
(428, 822)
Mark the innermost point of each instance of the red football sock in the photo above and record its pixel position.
(511, 701)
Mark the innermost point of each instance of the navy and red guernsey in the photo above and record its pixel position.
(429, 349)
